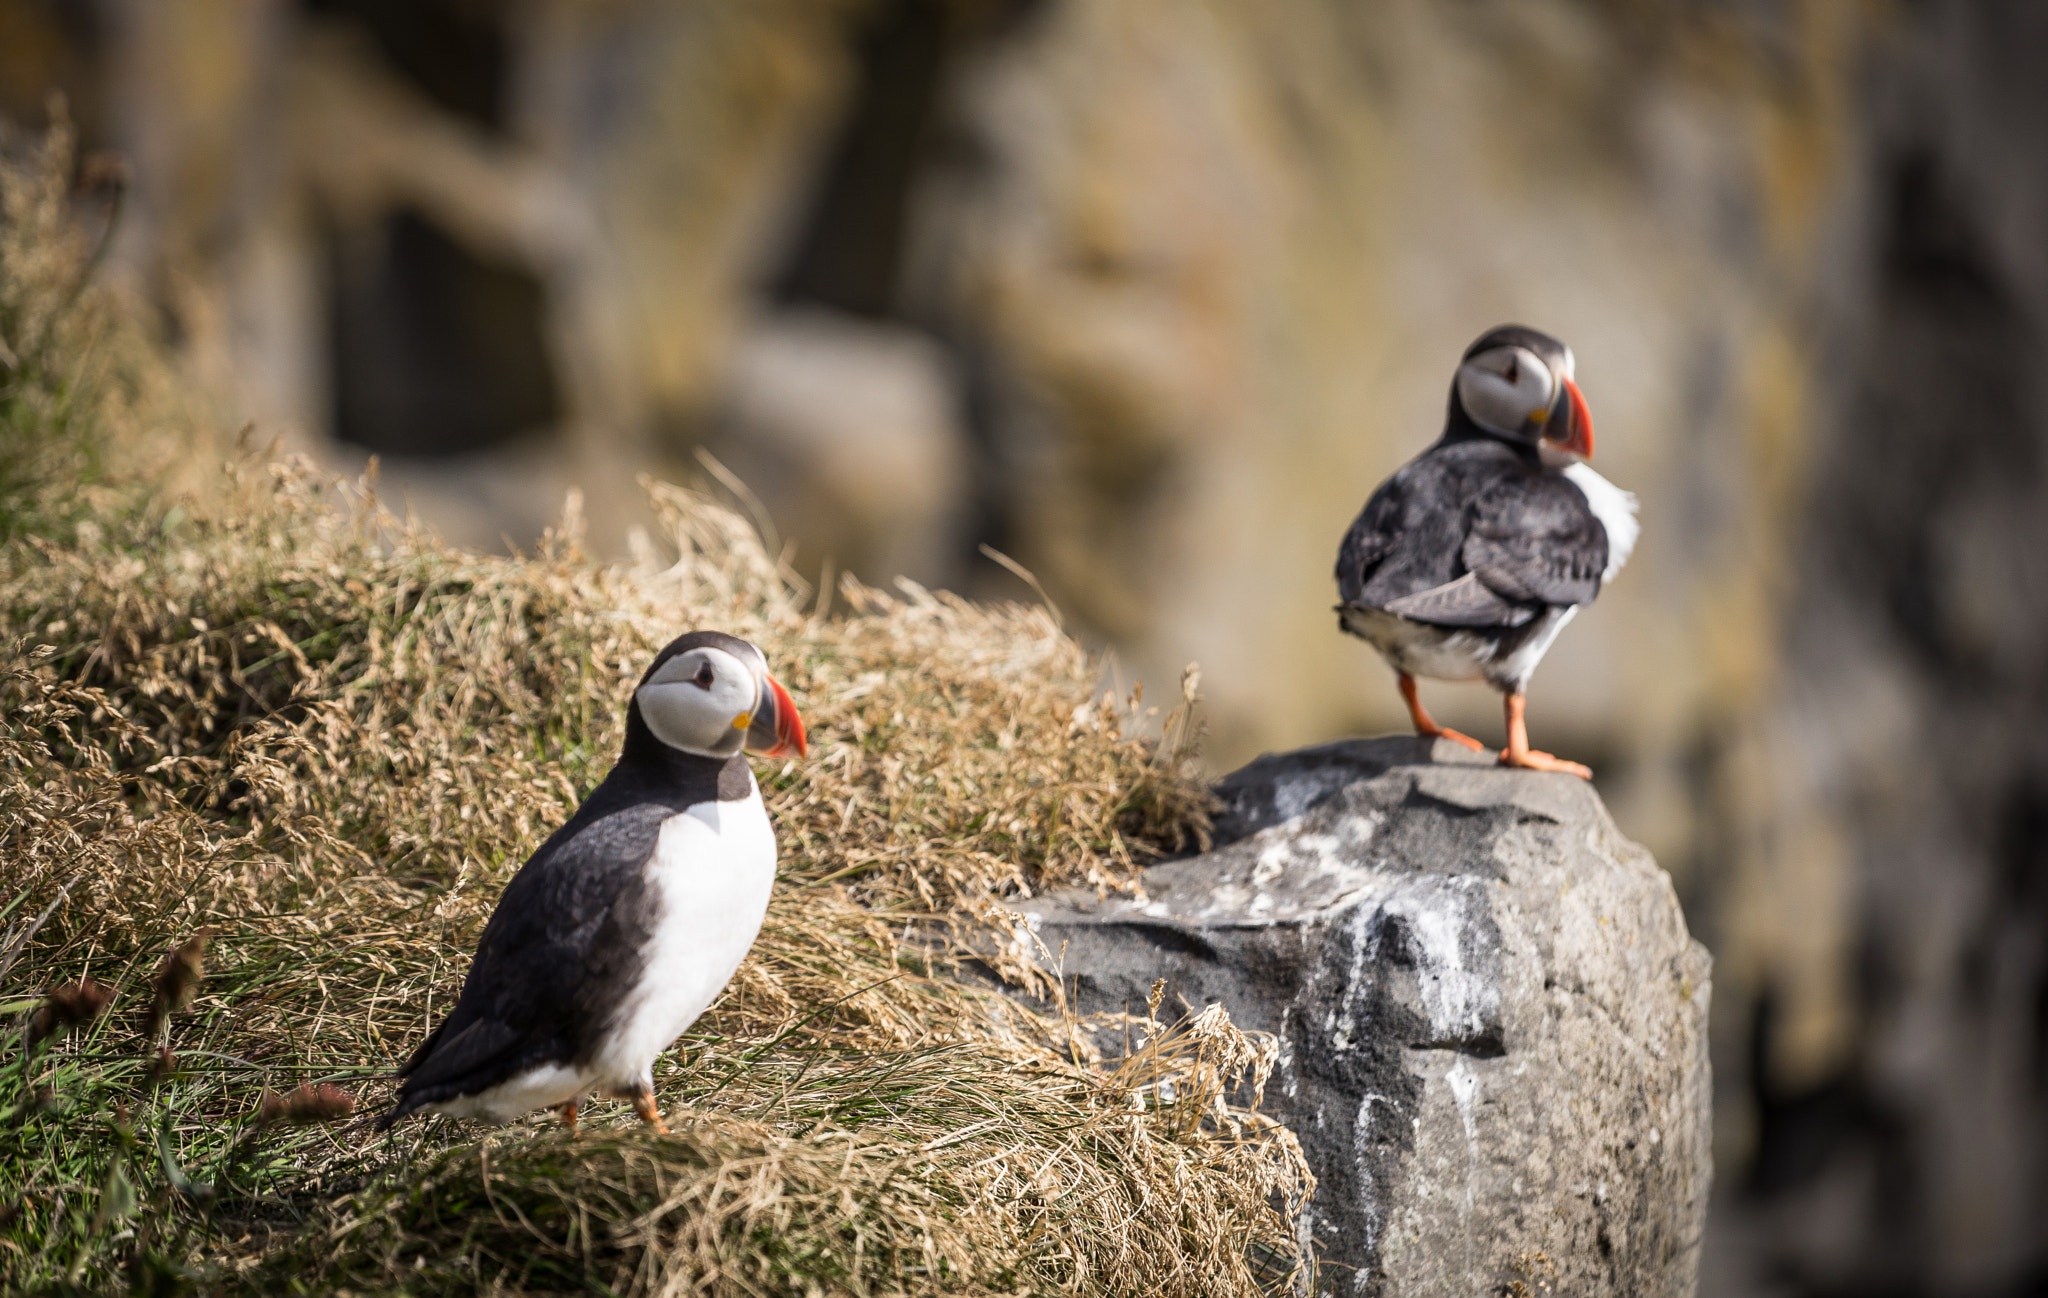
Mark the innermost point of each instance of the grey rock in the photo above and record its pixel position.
(1492, 1020)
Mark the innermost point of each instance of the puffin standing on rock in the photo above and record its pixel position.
(1469, 560)
(631, 918)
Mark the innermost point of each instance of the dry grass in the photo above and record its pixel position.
(287, 720)
(74, 360)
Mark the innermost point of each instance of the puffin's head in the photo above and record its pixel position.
(1517, 384)
(710, 694)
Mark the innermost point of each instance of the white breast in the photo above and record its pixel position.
(536, 1088)
(1616, 510)
(709, 879)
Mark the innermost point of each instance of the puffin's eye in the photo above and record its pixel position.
(1513, 374)
(704, 677)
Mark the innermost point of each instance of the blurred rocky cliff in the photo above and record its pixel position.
(1150, 295)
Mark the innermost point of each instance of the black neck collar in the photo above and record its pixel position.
(1461, 427)
(670, 773)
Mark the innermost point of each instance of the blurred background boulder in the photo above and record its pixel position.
(1149, 296)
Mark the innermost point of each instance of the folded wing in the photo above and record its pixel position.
(569, 930)
(1535, 539)
(1477, 540)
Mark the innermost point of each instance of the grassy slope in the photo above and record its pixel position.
(285, 719)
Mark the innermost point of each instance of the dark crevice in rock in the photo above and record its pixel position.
(436, 351)
(452, 51)
(1485, 1045)
(853, 231)
(1441, 837)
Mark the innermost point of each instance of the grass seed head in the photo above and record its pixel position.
(177, 982)
(162, 1068)
(72, 1005)
(305, 1106)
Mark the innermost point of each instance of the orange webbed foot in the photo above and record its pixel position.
(568, 1112)
(1532, 760)
(650, 1113)
(1518, 752)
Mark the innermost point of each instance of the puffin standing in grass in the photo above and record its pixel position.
(631, 918)
(1468, 561)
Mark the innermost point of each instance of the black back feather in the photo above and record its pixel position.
(1473, 506)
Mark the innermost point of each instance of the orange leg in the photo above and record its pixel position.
(568, 1112)
(650, 1113)
(1518, 752)
(1425, 725)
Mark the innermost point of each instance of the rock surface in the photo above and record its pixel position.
(1492, 1020)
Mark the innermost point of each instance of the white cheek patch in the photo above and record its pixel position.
(1495, 403)
(675, 718)
(1533, 383)
(686, 715)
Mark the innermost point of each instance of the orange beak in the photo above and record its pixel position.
(1576, 433)
(779, 735)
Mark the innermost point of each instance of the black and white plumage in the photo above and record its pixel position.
(626, 924)
(1468, 561)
